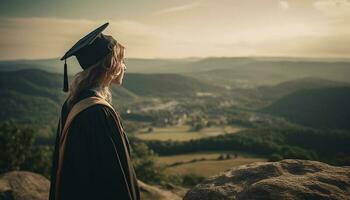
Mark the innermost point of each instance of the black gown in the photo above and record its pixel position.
(93, 167)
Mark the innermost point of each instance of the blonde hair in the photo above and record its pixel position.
(98, 76)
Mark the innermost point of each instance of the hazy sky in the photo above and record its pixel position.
(179, 28)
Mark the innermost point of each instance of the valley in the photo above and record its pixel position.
(198, 117)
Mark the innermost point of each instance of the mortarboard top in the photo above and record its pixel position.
(89, 50)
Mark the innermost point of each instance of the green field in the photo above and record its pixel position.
(183, 133)
(207, 167)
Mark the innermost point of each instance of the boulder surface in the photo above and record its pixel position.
(286, 179)
(23, 185)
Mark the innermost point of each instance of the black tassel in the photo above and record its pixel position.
(65, 78)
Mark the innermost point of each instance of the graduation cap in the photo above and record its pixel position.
(89, 50)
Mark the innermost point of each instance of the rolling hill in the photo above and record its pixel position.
(327, 108)
(167, 85)
(288, 87)
(34, 96)
(255, 72)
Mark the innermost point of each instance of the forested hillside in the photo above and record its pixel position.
(319, 108)
(35, 97)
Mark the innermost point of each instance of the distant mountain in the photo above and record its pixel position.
(288, 87)
(318, 108)
(233, 72)
(134, 65)
(249, 73)
(49, 65)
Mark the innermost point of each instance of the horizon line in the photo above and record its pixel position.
(193, 57)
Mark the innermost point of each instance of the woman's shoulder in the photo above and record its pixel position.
(82, 95)
(94, 117)
(97, 111)
(93, 121)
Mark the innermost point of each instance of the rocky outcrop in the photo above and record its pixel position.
(22, 185)
(287, 179)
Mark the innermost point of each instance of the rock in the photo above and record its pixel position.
(287, 179)
(22, 185)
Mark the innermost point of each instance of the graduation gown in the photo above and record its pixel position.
(96, 160)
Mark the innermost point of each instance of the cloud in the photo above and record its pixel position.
(284, 5)
(39, 37)
(177, 8)
(51, 37)
(333, 8)
(179, 36)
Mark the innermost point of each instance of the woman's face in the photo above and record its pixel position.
(119, 79)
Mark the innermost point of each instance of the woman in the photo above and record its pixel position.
(92, 154)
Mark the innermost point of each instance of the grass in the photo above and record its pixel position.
(207, 167)
(183, 133)
(167, 160)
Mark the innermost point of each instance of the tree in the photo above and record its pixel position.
(145, 164)
(39, 160)
(18, 151)
(221, 157)
(198, 122)
(16, 144)
(275, 157)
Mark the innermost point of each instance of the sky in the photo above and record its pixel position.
(39, 29)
